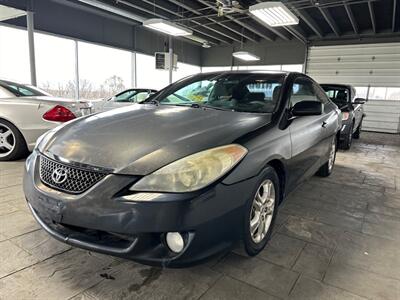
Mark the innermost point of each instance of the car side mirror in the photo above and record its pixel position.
(359, 101)
(307, 108)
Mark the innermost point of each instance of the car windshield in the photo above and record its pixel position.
(133, 95)
(242, 92)
(22, 90)
(339, 95)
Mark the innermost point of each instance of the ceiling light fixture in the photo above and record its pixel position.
(167, 27)
(244, 55)
(7, 13)
(273, 14)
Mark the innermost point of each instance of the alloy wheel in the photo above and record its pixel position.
(7, 140)
(262, 211)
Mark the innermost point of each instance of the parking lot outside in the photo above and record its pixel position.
(335, 238)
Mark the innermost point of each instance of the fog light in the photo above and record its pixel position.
(175, 241)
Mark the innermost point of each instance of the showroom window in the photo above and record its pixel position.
(100, 76)
(215, 69)
(55, 70)
(185, 70)
(147, 74)
(14, 57)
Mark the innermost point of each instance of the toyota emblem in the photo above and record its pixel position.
(59, 175)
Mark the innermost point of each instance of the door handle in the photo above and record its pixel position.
(324, 124)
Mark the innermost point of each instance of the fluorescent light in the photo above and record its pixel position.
(274, 14)
(7, 13)
(167, 27)
(244, 55)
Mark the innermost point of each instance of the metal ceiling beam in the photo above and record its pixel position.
(362, 34)
(196, 12)
(394, 15)
(309, 21)
(220, 36)
(267, 36)
(331, 22)
(351, 18)
(297, 32)
(372, 15)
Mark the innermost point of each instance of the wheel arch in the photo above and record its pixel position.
(281, 171)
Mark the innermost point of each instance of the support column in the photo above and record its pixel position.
(305, 59)
(171, 59)
(31, 41)
(133, 70)
(77, 96)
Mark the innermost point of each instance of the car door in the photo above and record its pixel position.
(307, 134)
(330, 121)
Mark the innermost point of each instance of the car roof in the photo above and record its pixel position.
(337, 85)
(250, 72)
(8, 82)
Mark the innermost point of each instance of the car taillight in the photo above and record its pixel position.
(59, 114)
(345, 116)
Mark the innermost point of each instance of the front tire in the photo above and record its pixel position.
(356, 134)
(327, 168)
(12, 143)
(260, 213)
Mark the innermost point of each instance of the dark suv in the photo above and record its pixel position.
(343, 96)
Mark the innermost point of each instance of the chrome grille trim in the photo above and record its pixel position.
(79, 179)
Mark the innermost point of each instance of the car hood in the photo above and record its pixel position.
(141, 138)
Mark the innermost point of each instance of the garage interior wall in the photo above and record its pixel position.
(374, 69)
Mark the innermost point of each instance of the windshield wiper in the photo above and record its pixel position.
(216, 107)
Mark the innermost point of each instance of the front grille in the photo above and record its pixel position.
(78, 180)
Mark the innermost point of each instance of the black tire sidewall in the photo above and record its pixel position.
(250, 247)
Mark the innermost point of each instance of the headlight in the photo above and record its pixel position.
(192, 172)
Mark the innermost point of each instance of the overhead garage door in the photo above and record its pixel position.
(374, 69)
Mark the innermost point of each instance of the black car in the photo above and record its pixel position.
(344, 96)
(189, 172)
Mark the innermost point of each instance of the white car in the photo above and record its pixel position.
(27, 112)
(125, 98)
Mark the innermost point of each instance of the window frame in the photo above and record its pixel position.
(302, 77)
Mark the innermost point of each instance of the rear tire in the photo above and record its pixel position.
(356, 134)
(327, 168)
(346, 143)
(12, 143)
(261, 212)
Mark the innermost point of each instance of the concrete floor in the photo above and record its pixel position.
(336, 238)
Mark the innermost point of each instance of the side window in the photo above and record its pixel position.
(124, 96)
(139, 97)
(303, 90)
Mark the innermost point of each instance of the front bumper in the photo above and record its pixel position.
(107, 220)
